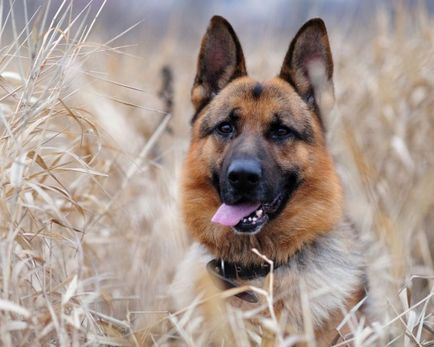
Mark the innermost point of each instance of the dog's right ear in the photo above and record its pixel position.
(308, 65)
(220, 61)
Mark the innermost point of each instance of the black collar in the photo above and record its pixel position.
(224, 273)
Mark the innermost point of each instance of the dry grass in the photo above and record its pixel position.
(89, 230)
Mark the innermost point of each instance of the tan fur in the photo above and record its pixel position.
(313, 210)
(320, 250)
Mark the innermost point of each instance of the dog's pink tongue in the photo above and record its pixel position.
(230, 215)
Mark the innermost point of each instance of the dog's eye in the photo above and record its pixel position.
(225, 128)
(280, 132)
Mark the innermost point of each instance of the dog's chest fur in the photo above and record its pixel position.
(329, 271)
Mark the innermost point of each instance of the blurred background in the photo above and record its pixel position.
(94, 133)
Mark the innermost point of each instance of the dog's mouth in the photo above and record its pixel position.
(247, 218)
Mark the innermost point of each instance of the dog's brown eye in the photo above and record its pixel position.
(225, 128)
(280, 132)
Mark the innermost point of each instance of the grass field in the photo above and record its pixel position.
(90, 234)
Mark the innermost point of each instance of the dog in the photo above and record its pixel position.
(258, 175)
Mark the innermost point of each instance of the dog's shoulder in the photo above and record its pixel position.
(183, 290)
(330, 272)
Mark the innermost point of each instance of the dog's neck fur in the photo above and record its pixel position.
(329, 271)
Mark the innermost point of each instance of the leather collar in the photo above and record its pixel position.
(224, 273)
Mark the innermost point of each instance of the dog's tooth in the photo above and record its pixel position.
(250, 219)
(254, 219)
(259, 213)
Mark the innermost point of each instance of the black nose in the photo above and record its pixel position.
(244, 174)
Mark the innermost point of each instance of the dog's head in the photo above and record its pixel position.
(258, 173)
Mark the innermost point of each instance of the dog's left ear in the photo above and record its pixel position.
(308, 65)
(220, 61)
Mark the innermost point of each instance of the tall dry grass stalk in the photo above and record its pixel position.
(90, 233)
(57, 192)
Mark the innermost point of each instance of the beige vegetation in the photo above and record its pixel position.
(90, 235)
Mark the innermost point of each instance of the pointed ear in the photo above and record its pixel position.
(220, 60)
(308, 66)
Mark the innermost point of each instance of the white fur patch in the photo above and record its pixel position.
(182, 290)
(331, 270)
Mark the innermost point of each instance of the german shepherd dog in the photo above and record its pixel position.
(258, 174)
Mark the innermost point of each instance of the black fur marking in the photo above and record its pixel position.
(292, 183)
(216, 181)
(307, 133)
(199, 110)
(257, 90)
(205, 129)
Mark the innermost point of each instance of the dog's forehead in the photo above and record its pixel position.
(248, 88)
(265, 97)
